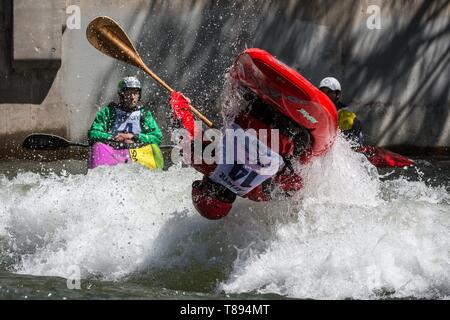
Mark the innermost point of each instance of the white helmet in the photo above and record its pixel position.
(330, 83)
(129, 83)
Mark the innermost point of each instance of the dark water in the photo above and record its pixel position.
(22, 287)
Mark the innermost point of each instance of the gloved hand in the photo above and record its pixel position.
(179, 104)
(288, 183)
(182, 112)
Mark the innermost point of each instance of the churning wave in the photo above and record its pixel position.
(347, 234)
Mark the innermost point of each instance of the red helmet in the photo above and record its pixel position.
(211, 200)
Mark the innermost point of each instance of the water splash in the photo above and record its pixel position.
(104, 222)
(347, 234)
(355, 237)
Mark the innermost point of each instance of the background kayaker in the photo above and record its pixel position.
(125, 132)
(349, 124)
(127, 122)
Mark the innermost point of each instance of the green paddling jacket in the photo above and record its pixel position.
(102, 127)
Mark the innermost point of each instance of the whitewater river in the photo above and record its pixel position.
(131, 233)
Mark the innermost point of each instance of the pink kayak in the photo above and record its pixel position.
(104, 155)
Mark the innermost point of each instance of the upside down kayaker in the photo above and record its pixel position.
(276, 99)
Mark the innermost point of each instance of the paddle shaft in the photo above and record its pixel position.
(74, 144)
(137, 60)
(43, 141)
(161, 82)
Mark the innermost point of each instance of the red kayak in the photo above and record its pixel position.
(284, 88)
(277, 99)
(380, 157)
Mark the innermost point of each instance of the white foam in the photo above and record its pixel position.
(346, 234)
(104, 222)
(354, 237)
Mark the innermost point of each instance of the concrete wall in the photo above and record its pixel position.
(395, 77)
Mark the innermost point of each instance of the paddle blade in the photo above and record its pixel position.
(381, 157)
(45, 142)
(109, 38)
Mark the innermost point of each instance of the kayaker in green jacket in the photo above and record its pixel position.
(126, 123)
(125, 132)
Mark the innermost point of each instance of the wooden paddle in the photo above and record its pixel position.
(44, 141)
(109, 38)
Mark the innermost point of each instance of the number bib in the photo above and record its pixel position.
(128, 122)
(254, 165)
